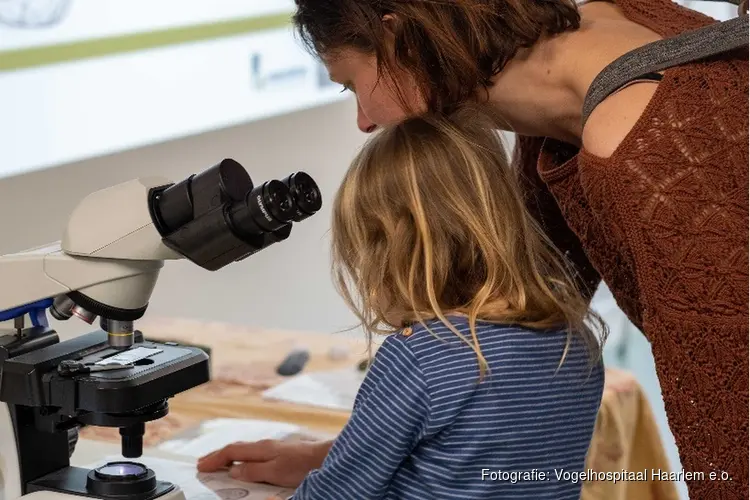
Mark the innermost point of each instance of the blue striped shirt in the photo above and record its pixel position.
(424, 427)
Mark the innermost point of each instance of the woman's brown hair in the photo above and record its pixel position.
(452, 48)
(430, 221)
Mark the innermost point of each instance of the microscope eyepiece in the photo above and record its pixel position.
(305, 193)
(266, 208)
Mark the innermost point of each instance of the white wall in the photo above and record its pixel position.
(285, 286)
(720, 10)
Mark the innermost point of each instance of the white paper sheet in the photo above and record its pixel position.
(214, 434)
(332, 389)
(205, 486)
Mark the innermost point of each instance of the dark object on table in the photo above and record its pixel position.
(293, 363)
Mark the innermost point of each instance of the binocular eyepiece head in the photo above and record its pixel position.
(218, 216)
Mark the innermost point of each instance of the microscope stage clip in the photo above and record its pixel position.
(68, 367)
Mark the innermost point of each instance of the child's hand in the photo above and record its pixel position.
(269, 461)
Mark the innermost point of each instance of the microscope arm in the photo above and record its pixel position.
(111, 252)
(117, 239)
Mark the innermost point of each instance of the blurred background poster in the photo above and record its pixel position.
(81, 78)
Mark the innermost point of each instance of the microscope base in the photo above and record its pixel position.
(73, 480)
(175, 494)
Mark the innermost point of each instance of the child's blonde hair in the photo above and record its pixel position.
(430, 219)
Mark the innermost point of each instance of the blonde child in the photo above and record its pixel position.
(490, 367)
(488, 383)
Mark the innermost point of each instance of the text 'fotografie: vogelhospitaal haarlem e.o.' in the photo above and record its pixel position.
(591, 475)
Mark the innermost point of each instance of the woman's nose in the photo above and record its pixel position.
(363, 123)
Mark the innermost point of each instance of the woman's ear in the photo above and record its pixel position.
(391, 24)
(393, 28)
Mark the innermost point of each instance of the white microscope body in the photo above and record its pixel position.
(107, 265)
(112, 252)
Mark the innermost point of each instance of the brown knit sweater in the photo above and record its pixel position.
(664, 222)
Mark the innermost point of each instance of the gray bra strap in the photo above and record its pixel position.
(663, 54)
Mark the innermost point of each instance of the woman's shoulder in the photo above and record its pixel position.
(680, 105)
(625, 113)
(613, 120)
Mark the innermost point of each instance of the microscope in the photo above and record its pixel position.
(106, 266)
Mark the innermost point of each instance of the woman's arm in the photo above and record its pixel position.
(388, 421)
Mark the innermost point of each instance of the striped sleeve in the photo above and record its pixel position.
(387, 423)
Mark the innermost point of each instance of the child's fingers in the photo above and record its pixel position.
(260, 451)
(254, 472)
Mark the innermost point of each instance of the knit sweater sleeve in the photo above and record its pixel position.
(544, 209)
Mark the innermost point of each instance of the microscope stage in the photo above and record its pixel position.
(158, 372)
